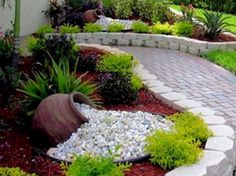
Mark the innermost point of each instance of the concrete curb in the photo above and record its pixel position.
(219, 157)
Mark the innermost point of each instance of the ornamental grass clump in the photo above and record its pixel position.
(86, 165)
(191, 126)
(171, 149)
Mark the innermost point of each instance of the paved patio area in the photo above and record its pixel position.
(193, 76)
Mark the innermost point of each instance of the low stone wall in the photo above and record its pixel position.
(219, 156)
(183, 44)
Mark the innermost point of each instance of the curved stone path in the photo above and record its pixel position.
(193, 76)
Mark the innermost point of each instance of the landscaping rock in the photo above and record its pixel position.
(108, 130)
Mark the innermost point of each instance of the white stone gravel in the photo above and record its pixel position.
(107, 130)
(105, 21)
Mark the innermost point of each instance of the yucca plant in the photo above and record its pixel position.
(59, 80)
(214, 23)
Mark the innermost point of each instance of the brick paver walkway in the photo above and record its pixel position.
(193, 76)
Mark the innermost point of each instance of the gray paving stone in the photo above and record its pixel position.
(193, 170)
(153, 83)
(202, 111)
(213, 120)
(147, 76)
(173, 96)
(214, 161)
(160, 89)
(223, 144)
(151, 43)
(222, 131)
(137, 42)
(187, 104)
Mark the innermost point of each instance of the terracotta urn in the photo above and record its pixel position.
(91, 16)
(57, 117)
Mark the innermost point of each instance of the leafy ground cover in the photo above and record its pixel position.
(199, 12)
(226, 59)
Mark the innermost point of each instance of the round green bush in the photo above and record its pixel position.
(115, 27)
(171, 149)
(191, 126)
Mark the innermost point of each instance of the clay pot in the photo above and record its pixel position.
(56, 117)
(91, 16)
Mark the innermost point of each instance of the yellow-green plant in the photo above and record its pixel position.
(191, 126)
(115, 63)
(136, 82)
(139, 27)
(44, 29)
(69, 29)
(183, 28)
(86, 165)
(159, 28)
(92, 27)
(115, 27)
(171, 149)
(15, 171)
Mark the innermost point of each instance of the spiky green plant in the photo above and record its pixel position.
(59, 80)
(214, 23)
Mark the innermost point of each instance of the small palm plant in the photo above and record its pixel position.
(214, 23)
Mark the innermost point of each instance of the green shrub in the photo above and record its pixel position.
(95, 166)
(44, 29)
(115, 27)
(139, 27)
(159, 28)
(123, 8)
(92, 27)
(68, 29)
(115, 63)
(60, 47)
(170, 149)
(6, 52)
(183, 28)
(214, 23)
(152, 9)
(88, 63)
(16, 171)
(136, 82)
(59, 79)
(108, 7)
(191, 126)
(117, 88)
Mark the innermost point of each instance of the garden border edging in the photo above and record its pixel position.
(183, 44)
(219, 156)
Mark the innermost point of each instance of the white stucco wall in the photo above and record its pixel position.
(31, 15)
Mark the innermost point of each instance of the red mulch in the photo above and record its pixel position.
(145, 169)
(220, 38)
(146, 102)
